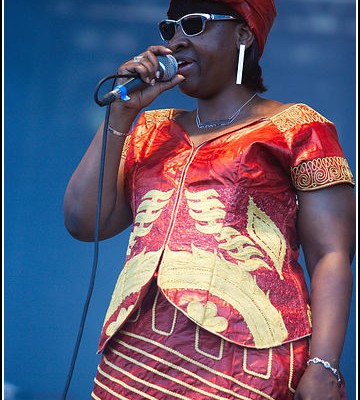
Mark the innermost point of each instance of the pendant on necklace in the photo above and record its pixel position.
(220, 122)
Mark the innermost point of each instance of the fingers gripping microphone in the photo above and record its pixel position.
(168, 69)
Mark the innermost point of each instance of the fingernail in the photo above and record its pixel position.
(157, 74)
(152, 83)
(147, 80)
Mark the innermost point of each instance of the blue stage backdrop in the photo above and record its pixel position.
(55, 53)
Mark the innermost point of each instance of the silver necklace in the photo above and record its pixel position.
(220, 122)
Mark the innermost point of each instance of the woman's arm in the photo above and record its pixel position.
(326, 225)
(81, 194)
(80, 201)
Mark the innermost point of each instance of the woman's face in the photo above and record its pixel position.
(208, 60)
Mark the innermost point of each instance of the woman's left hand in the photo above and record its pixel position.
(317, 383)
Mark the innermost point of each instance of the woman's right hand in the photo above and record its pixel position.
(146, 66)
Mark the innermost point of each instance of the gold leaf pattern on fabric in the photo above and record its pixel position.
(112, 328)
(203, 270)
(205, 207)
(296, 115)
(206, 316)
(321, 172)
(133, 278)
(148, 211)
(242, 249)
(267, 235)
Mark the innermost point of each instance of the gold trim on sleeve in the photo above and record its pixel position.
(298, 114)
(321, 172)
(155, 116)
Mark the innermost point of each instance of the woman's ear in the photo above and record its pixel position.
(244, 35)
(244, 39)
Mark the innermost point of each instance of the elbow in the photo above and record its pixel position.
(78, 230)
(78, 225)
(77, 221)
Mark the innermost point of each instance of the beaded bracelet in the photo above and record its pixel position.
(326, 364)
(117, 133)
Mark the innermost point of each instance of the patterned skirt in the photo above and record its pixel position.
(160, 354)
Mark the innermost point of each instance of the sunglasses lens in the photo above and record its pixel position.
(167, 29)
(192, 25)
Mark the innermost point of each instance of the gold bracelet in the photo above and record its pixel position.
(117, 133)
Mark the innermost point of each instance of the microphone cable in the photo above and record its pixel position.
(96, 232)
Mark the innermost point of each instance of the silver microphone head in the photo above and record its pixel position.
(168, 67)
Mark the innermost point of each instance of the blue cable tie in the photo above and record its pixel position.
(123, 94)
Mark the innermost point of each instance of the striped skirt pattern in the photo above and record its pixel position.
(160, 354)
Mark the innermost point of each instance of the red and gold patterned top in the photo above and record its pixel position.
(216, 223)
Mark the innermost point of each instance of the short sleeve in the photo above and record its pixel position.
(316, 157)
(146, 124)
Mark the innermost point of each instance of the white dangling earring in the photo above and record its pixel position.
(240, 64)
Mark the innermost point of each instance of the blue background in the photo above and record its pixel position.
(55, 53)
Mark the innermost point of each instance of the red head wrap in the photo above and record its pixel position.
(259, 15)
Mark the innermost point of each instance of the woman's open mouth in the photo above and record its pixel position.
(184, 66)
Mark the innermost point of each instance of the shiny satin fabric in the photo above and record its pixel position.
(161, 354)
(217, 223)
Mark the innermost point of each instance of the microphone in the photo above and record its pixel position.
(168, 68)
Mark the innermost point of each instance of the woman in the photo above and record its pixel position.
(211, 302)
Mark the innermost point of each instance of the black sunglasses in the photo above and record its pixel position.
(191, 24)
